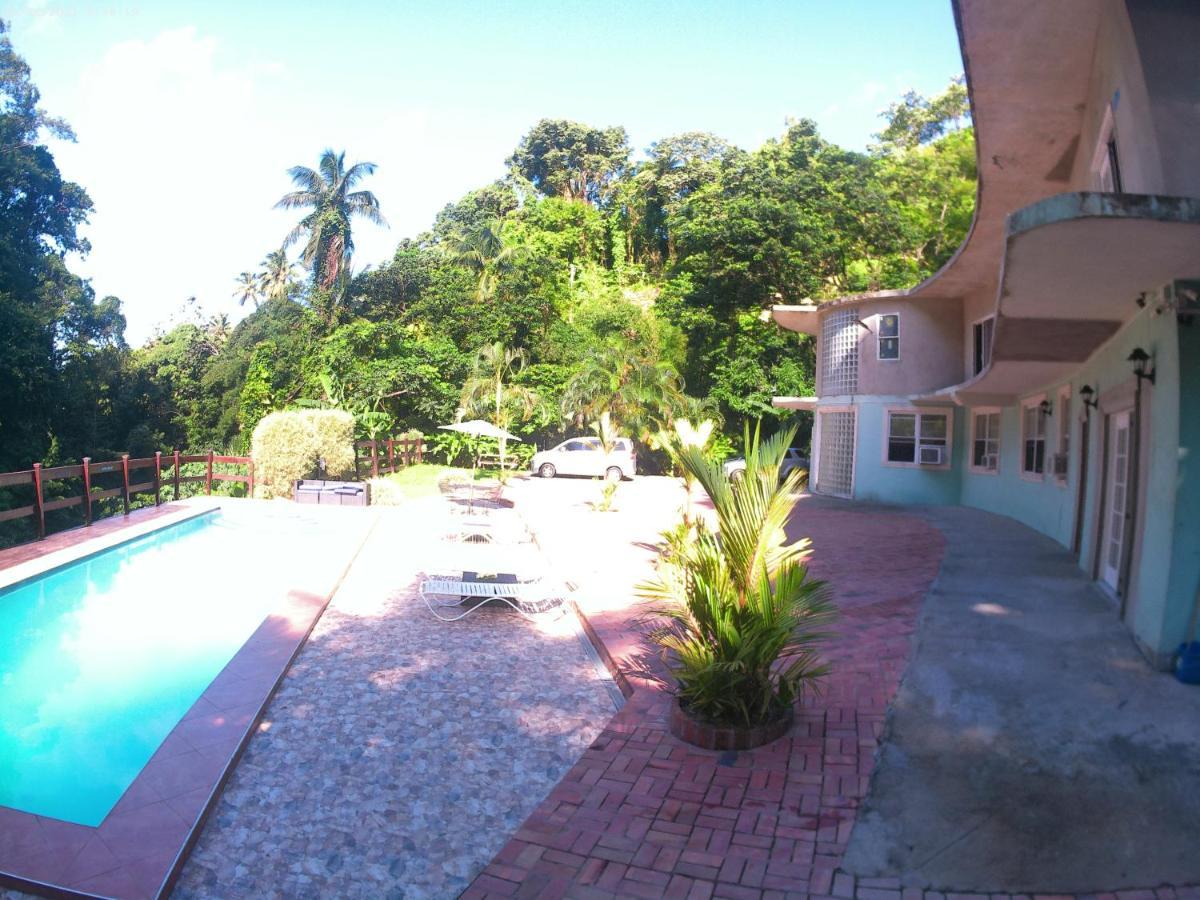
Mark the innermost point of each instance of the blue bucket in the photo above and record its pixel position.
(1187, 663)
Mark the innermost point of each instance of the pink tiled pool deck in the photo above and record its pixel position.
(644, 815)
(137, 850)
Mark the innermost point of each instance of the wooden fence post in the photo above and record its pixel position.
(158, 478)
(125, 478)
(87, 490)
(374, 459)
(208, 474)
(38, 509)
(250, 483)
(420, 450)
(176, 476)
(391, 445)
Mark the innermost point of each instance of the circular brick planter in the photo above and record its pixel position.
(725, 737)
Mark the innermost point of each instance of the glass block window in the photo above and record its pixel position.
(835, 468)
(889, 336)
(839, 353)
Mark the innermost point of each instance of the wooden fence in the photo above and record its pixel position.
(134, 479)
(405, 451)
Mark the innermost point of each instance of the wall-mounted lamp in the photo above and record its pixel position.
(1045, 408)
(1139, 358)
(1088, 395)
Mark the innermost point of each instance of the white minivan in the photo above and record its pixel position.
(586, 456)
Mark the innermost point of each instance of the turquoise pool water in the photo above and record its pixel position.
(100, 659)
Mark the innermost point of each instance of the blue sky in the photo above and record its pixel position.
(189, 113)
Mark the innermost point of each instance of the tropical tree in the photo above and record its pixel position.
(327, 193)
(249, 287)
(568, 159)
(278, 276)
(490, 390)
(738, 619)
(636, 388)
(486, 250)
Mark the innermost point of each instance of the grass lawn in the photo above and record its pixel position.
(415, 482)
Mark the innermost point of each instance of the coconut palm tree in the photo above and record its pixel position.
(248, 288)
(327, 193)
(489, 389)
(486, 250)
(638, 390)
(278, 275)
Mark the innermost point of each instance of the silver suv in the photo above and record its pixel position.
(586, 456)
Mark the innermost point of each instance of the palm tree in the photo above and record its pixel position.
(328, 196)
(636, 389)
(278, 276)
(247, 289)
(489, 389)
(486, 251)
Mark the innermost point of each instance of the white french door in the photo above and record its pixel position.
(1116, 531)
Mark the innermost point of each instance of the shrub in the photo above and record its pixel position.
(287, 446)
(738, 619)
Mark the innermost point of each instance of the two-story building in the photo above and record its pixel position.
(1051, 370)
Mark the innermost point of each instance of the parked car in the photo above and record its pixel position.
(586, 456)
(734, 468)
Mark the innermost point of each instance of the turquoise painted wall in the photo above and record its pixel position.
(878, 482)
(1166, 571)
(1184, 580)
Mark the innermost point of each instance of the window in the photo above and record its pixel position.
(985, 441)
(1062, 456)
(889, 336)
(574, 445)
(839, 353)
(1106, 164)
(983, 343)
(1033, 437)
(918, 438)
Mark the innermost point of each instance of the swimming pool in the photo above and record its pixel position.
(101, 658)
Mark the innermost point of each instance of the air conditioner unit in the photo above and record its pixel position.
(1059, 463)
(931, 456)
(991, 461)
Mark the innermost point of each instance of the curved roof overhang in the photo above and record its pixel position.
(805, 403)
(1028, 64)
(1075, 269)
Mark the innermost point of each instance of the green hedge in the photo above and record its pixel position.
(287, 446)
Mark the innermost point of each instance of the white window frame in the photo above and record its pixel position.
(976, 412)
(1062, 430)
(1034, 402)
(1103, 177)
(919, 412)
(987, 348)
(879, 338)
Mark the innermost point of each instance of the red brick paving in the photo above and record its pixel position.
(644, 815)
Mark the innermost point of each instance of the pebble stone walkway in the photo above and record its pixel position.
(401, 751)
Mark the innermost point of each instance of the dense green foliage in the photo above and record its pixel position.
(627, 286)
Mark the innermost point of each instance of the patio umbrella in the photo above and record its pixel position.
(479, 428)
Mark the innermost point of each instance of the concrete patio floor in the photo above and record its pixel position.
(1030, 747)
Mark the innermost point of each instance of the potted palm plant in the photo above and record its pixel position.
(736, 616)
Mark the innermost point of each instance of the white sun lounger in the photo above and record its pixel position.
(529, 598)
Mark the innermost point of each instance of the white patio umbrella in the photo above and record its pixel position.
(479, 428)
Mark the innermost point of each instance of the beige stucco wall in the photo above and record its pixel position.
(1157, 117)
(929, 351)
